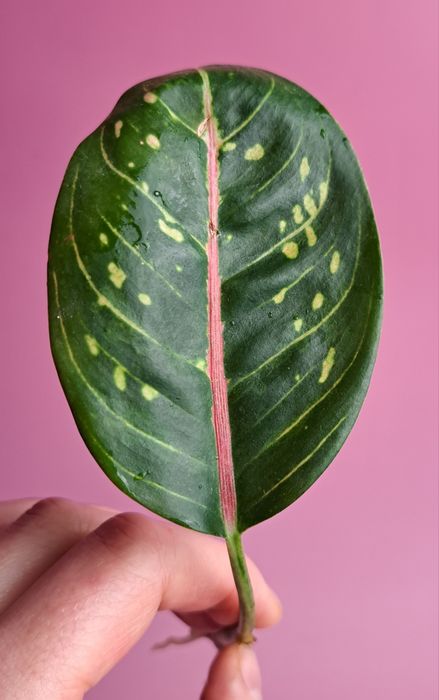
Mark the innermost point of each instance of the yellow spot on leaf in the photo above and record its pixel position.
(310, 236)
(297, 377)
(256, 152)
(103, 238)
(280, 296)
(229, 237)
(144, 186)
(297, 214)
(335, 262)
(178, 268)
(310, 205)
(102, 301)
(298, 323)
(317, 302)
(291, 250)
(117, 128)
(150, 98)
(149, 393)
(282, 226)
(92, 345)
(171, 232)
(304, 168)
(327, 365)
(229, 146)
(145, 299)
(153, 141)
(117, 275)
(120, 378)
(131, 164)
(201, 364)
(323, 190)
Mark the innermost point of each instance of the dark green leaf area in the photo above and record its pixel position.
(294, 410)
(127, 276)
(301, 294)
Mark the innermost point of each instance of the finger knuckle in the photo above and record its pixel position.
(122, 531)
(47, 507)
(52, 514)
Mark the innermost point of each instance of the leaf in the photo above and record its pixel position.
(215, 294)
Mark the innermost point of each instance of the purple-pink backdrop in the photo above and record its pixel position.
(353, 559)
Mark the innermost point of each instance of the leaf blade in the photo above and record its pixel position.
(301, 289)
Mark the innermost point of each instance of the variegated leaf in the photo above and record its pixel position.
(215, 294)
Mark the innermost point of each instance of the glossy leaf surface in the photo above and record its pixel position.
(256, 164)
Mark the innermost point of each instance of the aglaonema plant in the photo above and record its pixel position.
(215, 296)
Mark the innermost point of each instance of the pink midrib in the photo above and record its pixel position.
(215, 357)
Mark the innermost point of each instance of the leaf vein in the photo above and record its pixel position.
(149, 482)
(278, 172)
(175, 116)
(251, 116)
(303, 461)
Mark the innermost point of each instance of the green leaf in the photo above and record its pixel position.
(215, 294)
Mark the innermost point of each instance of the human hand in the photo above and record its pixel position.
(79, 585)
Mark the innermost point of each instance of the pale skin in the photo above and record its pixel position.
(80, 584)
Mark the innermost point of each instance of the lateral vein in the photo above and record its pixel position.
(303, 461)
(251, 116)
(153, 484)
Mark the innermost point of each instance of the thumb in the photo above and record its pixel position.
(234, 675)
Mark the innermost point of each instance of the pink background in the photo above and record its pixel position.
(353, 558)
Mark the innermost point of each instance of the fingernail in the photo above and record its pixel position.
(250, 671)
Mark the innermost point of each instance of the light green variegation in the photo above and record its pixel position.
(301, 292)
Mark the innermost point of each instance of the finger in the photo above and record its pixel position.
(97, 600)
(38, 537)
(234, 675)
(11, 510)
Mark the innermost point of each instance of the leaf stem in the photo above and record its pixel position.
(244, 587)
